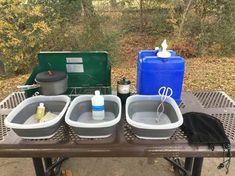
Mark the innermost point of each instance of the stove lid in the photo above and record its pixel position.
(83, 69)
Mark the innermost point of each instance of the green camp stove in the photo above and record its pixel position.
(86, 71)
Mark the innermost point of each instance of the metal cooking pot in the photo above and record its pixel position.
(49, 83)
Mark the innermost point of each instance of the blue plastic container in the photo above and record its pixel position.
(154, 72)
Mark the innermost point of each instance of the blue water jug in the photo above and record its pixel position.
(156, 69)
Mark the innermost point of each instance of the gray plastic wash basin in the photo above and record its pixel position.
(141, 114)
(23, 122)
(79, 117)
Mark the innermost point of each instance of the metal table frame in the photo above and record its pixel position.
(123, 143)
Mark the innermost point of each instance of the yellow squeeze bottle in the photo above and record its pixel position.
(40, 111)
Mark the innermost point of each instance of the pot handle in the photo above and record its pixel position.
(50, 73)
(28, 87)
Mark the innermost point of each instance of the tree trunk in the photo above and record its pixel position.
(113, 3)
(88, 8)
(2, 68)
(141, 16)
(92, 28)
(90, 16)
(184, 17)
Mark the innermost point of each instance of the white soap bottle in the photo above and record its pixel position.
(97, 102)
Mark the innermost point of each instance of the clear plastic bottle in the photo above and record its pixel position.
(40, 111)
(97, 106)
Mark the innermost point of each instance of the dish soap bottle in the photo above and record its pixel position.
(97, 102)
(40, 111)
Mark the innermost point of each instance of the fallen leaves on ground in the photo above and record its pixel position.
(201, 74)
(9, 84)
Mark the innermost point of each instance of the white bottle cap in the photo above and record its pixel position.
(97, 92)
(41, 104)
(164, 53)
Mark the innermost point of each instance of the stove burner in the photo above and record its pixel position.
(75, 91)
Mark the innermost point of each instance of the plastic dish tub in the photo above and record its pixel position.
(79, 117)
(141, 111)
(22, 122)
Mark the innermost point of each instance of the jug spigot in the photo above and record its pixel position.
(164, 53)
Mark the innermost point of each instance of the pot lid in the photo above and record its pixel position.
(50, 76)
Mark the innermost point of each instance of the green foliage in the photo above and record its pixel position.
(210, 26)
(83, 37)
(97, 40)
(203, 27)
(61, 11)
(22, 29)
(158, 17)
(155, 21)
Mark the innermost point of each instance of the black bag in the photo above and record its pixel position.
(204, 129)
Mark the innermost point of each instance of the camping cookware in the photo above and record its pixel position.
(49, 83)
